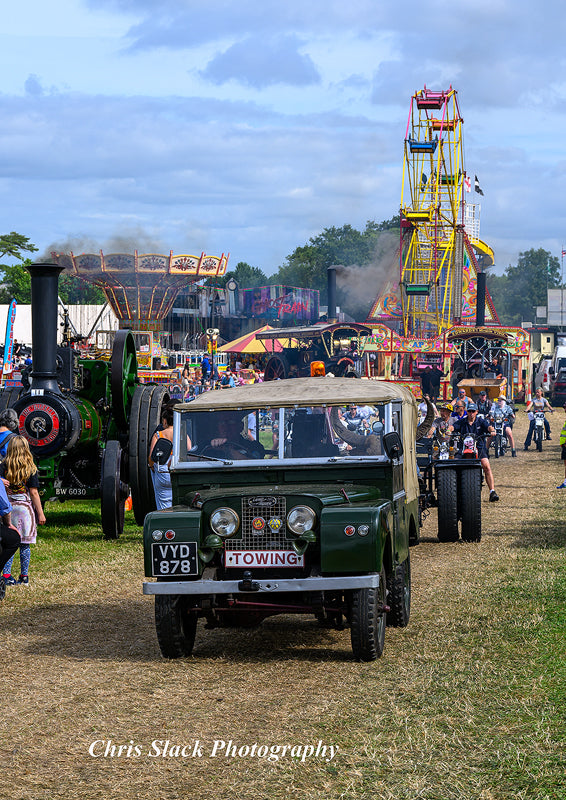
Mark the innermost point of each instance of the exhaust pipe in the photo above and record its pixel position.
(44, 300)
(331, 284)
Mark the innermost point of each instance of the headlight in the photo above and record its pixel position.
(224, 522)
(301, 519)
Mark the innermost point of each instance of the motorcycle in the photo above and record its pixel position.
(499, 443)
(538, 433)
(466, 445)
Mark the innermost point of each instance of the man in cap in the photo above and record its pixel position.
(442, 426)
(480, 428)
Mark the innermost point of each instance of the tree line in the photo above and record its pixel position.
(515, 294)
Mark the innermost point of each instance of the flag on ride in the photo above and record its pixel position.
(563, 253)
(477, 185)
(468, 183)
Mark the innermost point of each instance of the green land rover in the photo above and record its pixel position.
(292, 496)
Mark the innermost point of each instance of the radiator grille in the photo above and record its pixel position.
(262, 510)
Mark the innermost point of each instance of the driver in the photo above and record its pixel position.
(478, 428)
(230, 439)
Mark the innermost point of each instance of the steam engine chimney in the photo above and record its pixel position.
(44, 301)
(331, 284)
(480, 298)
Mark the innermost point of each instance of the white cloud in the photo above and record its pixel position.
(235, 126)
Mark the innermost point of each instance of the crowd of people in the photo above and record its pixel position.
(462, 416)
(206, 376)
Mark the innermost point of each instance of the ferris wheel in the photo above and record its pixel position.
(432, 229)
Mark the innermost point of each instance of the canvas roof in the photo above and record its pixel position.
(301, 391)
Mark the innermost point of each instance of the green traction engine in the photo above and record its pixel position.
(88, 422)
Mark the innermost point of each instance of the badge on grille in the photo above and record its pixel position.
(258, 523)
(262, 501)
(275, 523)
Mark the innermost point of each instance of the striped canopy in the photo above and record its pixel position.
(249, 344)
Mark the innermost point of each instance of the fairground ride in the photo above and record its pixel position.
(141, 290)
(429, 314)
(432, 214)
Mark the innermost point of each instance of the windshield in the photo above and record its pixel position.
(261, 434)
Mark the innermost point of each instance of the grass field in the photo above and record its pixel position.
(467, 702)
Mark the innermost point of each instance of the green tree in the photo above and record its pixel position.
(13, 244)
(524, 285)
(308, 265)
(245, 276)
(16, 282)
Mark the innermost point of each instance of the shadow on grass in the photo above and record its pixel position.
(72, 534)
(546, 533)
(125, 631)
(80, 521)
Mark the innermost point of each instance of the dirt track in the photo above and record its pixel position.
(81, 665)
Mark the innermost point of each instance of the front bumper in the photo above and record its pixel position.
(316, 584)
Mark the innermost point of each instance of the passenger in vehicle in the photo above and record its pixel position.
(311, 437)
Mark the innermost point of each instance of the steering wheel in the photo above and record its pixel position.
(224, 449)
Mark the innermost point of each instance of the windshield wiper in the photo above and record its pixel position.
(210, 458)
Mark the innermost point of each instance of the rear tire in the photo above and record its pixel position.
(447, 505)
(175, 626)
(470, 491)
(368, 621)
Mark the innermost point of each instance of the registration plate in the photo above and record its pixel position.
(263, 558)
(170, 558)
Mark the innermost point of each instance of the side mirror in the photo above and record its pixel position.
(393, 445)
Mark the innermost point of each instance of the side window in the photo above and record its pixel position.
(251, 426)
(396, 420)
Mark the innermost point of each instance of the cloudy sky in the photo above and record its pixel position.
(248, 127)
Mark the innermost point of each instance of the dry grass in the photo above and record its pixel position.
(462, 705)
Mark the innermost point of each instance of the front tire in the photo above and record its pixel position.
(447, 505)
(175, 625)
(368, 621)
(113, 490)
(399, 599)
(538, 439)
